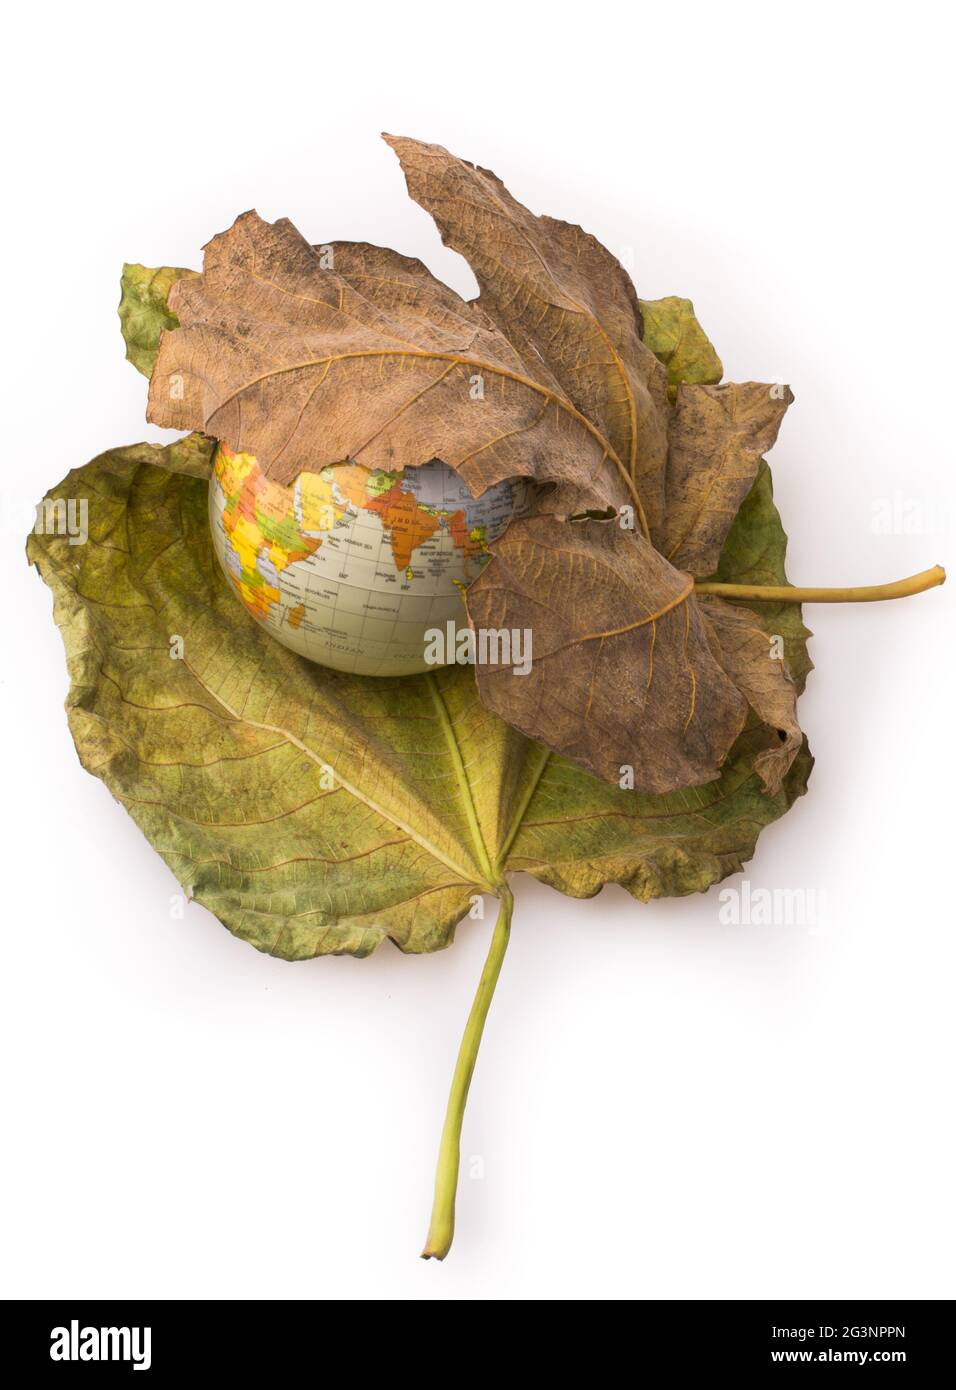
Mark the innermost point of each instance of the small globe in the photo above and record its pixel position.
(351, 567)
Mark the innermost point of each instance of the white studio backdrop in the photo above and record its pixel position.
(665, 1105)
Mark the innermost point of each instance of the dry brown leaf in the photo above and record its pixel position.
(718, 435)
(622, 665)
(748, 655)
(304, 356)
(302, 365)
(557, 293)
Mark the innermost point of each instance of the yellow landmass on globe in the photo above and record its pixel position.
(260, 525)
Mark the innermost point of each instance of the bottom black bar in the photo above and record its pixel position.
(161, 1340)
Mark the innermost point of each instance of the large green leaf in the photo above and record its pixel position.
(317, 812)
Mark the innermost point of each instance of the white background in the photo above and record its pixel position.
(665, 1106)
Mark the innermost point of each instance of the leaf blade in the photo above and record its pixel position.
(747, 654)
(144, 310)
(622, 672)
(675, 337)
(301, 364)
(755, 552)
(333, 874)
(558, 294)
(141, 719)
(717, 439)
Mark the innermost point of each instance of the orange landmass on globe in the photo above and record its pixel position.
(409, 523)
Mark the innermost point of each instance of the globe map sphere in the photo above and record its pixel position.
(349, 566)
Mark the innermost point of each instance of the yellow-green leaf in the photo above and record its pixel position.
(144, 311)
(316, 812)
(672, 333)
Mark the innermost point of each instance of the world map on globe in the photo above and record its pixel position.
(349, 566)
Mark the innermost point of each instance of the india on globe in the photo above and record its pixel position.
(351, 567)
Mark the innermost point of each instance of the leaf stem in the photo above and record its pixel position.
(792, 593)
(442, 1229)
